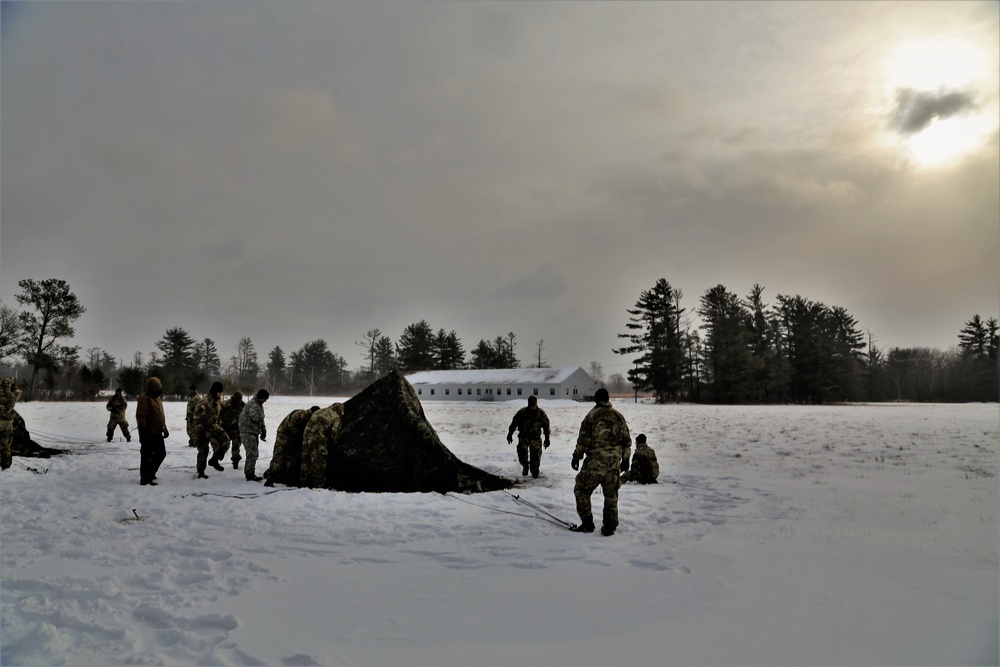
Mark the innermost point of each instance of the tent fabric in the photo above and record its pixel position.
(386, 444)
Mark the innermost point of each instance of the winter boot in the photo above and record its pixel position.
(214, 462)
(202, 475)
(254, 478)
(586, 527)
(607, 531)
(236, 464)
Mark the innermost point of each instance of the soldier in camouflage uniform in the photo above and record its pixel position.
(286, 460)
(229, 419)
(208, 431)
(116, 406)
(320, 435)
(9, 393)
(644, 468)
(194, 398)
(252, 426)
(530, 423)
(605, 440)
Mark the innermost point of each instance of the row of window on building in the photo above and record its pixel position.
(488, 391)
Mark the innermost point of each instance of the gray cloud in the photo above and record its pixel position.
(293, 171)
(916, 109)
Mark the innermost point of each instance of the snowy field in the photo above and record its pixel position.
(836, 535)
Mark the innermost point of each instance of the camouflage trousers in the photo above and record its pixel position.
(217, 440)
(116, 421)
(192, 432)
(529, 455)
(251, 446)
(237, 440)
(599, 469)
(314, 458)
(286, 462)
(6, 440)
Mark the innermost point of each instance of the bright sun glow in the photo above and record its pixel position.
(935, 130)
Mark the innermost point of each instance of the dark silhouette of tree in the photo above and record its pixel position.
(57, 308)
(385, 357)
(316, 369)
(415, 348)
(275, 374)
(10, 331)
(728, 359)
(448, 351)
(654, 341)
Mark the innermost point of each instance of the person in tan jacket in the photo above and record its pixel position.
(152, 426)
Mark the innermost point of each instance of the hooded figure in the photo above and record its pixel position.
(9, 393)
(152, 426)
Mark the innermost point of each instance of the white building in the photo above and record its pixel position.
(504, 384)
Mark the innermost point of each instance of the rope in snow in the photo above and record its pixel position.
(548, 518)
(238, 496)
(522, 501)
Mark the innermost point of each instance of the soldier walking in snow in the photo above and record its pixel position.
(251, 422)
(530, 423)
(9, 393)
(193, 399)
(116, 406)
(605, 440)
(208, 432)
(644, 468)
(229, 419)
(319, 436)
(286, 460)
(152, 425)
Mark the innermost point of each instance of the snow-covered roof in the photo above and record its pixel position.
(495, 376)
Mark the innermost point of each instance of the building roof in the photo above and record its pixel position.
(495, 376)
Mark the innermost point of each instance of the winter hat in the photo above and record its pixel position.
(263, 394)
(215, 388)
(640, 439)
(532, 400)
(601, 396)
(153, 383)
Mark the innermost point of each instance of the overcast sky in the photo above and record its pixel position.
(291, 171)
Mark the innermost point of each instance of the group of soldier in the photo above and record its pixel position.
(304, 436)
(603, 444)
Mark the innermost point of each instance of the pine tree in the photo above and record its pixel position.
(57, 309)
(415, 349)
(655, 341)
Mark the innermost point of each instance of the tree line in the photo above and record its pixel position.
(743, 351)
(793, 351)
(56, 370)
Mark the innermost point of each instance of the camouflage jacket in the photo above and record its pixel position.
(530, 424)
(644, 468)
(9, 393)
(206, 415)
(117, 405)
(251, 419)
(192, 403)
(603, 433)
(229, 414)
(324, 424)
(294, 425)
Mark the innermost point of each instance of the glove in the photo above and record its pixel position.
(263, 436)
(546, 444)
(625, 465)
(575, 463)
(510, 438)
(166, 434)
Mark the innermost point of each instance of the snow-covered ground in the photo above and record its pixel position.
(833, 535)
